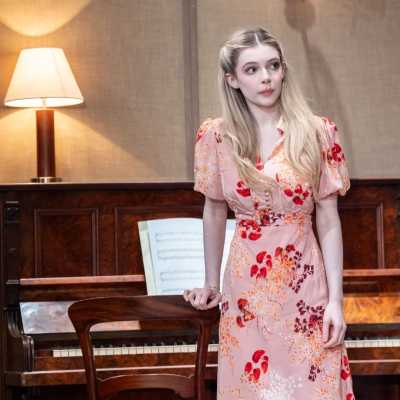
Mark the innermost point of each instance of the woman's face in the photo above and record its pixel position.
(259, 73)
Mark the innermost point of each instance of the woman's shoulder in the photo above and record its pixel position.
(210, 127)
(326, 123)
(326, 129)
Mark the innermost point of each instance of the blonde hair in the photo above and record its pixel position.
(301, 140)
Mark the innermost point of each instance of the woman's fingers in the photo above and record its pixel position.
(338, 331)
(214, 301)
(201, 300)
(325, 329)
(198, 298)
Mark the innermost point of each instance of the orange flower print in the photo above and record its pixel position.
(257, 365)
(246, 314)
(260, 271)
(290, 258)
(242, 189)
(345, 372)
(299, 195)
(249, 229)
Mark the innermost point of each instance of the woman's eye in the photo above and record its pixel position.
(276, 65)
(251, 69)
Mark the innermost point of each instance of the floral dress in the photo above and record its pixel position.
(274, 290)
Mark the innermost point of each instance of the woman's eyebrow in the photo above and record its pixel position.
(255, 62)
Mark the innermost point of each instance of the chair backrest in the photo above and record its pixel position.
(86, 313)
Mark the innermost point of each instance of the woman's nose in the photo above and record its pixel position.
(265, 75)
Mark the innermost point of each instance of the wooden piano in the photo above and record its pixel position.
(64, 242)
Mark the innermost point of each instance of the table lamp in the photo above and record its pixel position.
(43, 79)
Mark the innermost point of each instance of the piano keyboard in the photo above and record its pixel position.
(192, 348)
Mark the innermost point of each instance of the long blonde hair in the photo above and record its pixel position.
(301, 127)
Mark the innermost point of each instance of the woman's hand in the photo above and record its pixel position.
(199, 297)
(334, 326)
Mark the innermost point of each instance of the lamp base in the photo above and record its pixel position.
(45, 179)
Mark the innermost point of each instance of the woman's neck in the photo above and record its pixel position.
(265, 117)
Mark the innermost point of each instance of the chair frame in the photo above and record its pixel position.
(86, 313)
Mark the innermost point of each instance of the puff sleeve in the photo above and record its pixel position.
(207, 177)
(334, 176)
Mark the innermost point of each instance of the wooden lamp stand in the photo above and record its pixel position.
(46, 165)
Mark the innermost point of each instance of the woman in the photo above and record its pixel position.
(270, 159)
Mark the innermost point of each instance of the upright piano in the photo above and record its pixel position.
(64, 242)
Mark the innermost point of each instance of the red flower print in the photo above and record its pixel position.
(259, 164)
(335, 154)
(310, 319)
(256, 374)
(242, 303)
(200, 133)
(288, 192)
(262, 273)
(257, 355)
(242, 189)
(290, 247)
(350, 396)
(265, 260)
(278, 251)
(254, 236)
(246, 314)
(260, 256)
(203, 129)
(254, 368)
(264, 366)
(297, 200)
(253, 270)
(249, 229)
(247, 367)
(298, 195)
(345, 372)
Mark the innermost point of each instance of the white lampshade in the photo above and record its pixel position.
(42, 78)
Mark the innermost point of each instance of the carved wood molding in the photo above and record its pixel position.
(380, 242)
(40, 246)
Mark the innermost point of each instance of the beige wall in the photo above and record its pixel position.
(128, 59)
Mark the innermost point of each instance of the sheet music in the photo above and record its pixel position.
(173, 254)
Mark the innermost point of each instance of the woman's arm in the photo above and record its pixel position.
(214, 225)
(330, 238)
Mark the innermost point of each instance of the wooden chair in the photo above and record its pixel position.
(86, 313)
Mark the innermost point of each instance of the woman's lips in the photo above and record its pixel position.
(267, 92)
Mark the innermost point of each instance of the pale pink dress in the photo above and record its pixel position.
(274, 288)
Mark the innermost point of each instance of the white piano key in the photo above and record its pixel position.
(140, 350)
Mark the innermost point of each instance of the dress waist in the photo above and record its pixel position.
(266, 218)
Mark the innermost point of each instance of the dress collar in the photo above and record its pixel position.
(279, 126)
(259, 162)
